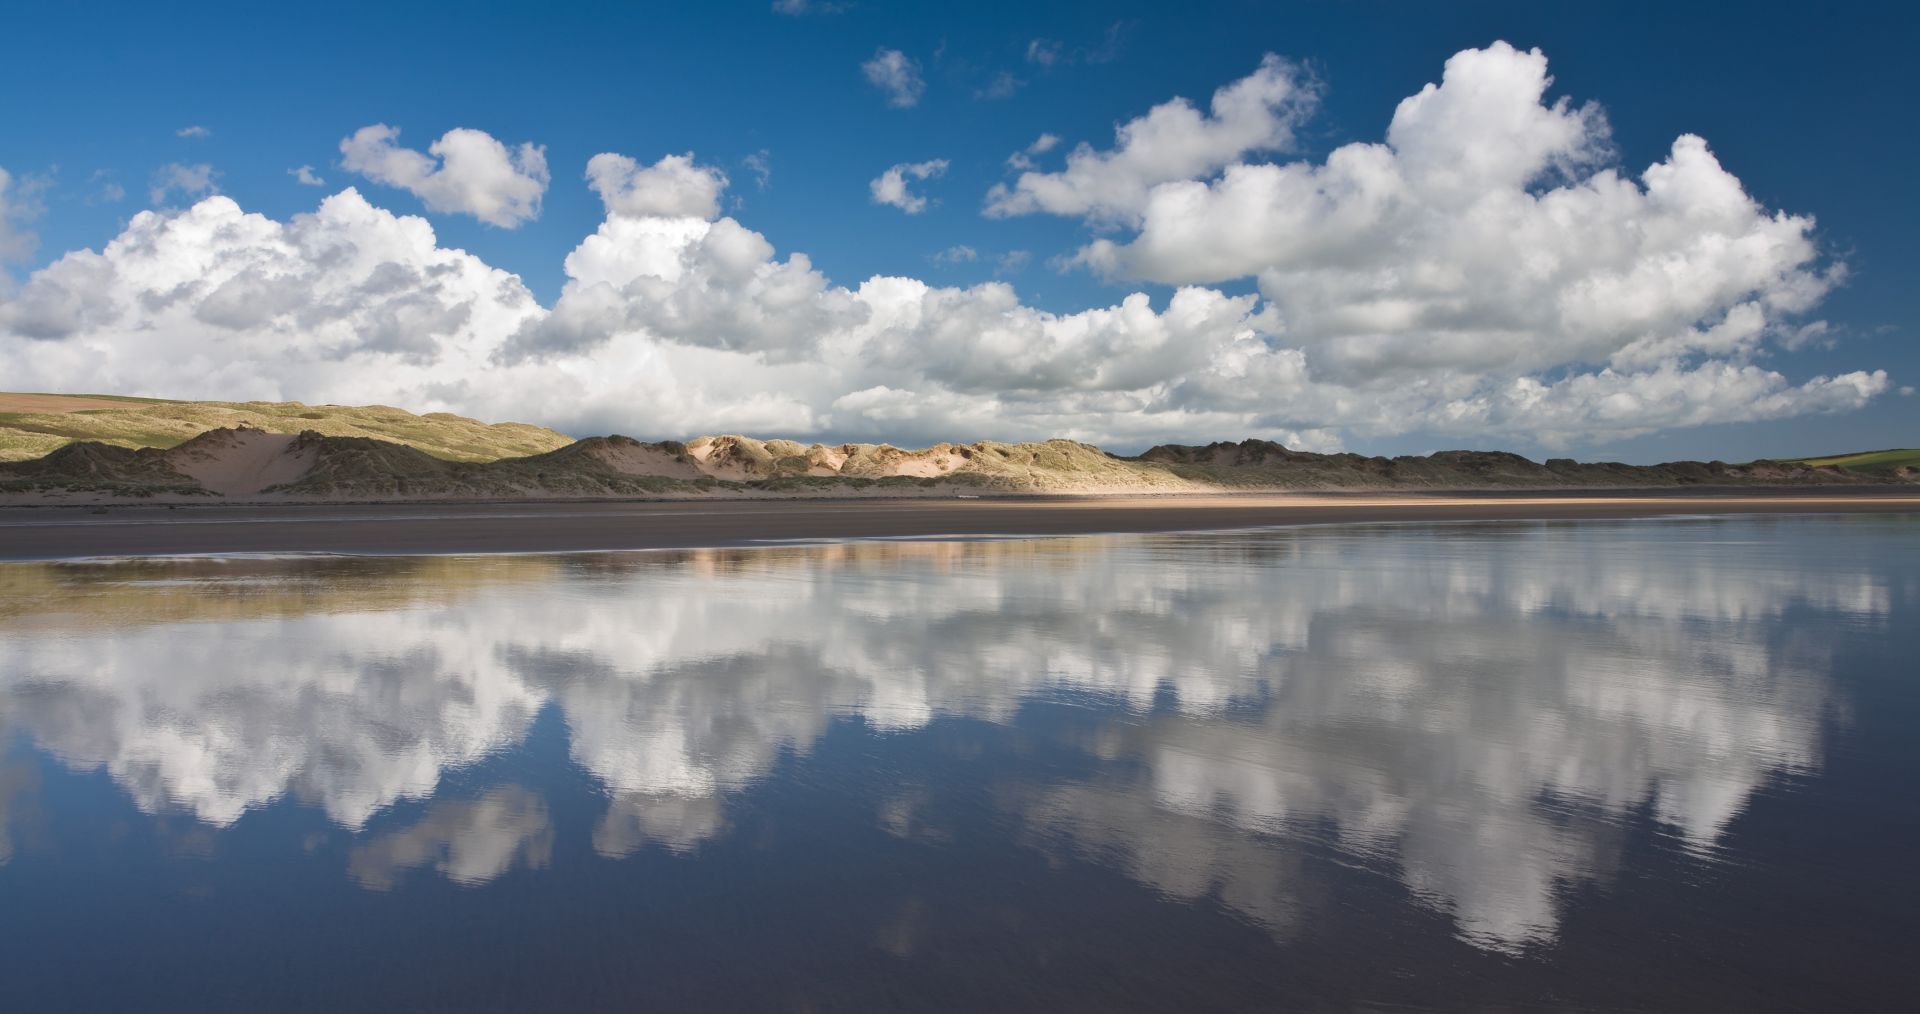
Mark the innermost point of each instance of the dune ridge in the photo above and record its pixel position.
(32, 425)
(251, 463)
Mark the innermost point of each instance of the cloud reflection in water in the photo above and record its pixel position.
(1475, 708)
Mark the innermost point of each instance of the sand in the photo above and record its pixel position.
(643, 459)
(241, 462)
(432, 528)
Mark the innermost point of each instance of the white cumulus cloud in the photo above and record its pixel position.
(1173, 141)
(1413, 286)
(465, 172)
(890, 187)
(1488, 234)
(898, 75)
(671, 188)
(306, 177)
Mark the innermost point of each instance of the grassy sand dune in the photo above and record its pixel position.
(32, 425)
(1871, 462)
(106, 448)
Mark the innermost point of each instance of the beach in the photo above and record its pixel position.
(62, 532)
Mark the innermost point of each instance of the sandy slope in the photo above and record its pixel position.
(634, 458)
(241, 462)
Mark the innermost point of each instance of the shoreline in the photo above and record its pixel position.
(549, 526)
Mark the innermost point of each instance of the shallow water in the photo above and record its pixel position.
(1637, 765)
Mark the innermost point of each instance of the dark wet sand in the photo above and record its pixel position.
(41, 533)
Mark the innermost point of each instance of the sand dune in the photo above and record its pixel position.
(738, 458)
(84, 448)
(249, 463)
(631, 457)
(241, 462)
(33, 425)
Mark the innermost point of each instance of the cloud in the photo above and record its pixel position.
(662, 267)
(760, 164)
(1488, 234)
(109, 190)
(465, 172)
(1012, 262)
(672, 188)
(253, 304)
(306, 176)
(186, 180)
(1049, 53)
(1112, 43)
(961, 254)
(1669, 396)
(1173, 141)
(890, 187)
(1023, 159)
(196, 132)
(470, 842)
(1405, 287)
(898, 75)
(800, 8)
(19, 205)
(1003, 85)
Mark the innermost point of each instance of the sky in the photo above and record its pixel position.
(1626, 231)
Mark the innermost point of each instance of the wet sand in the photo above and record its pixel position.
(43, 533)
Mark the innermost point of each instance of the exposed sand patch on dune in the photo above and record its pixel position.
(928, 464)
(733, 458)
(631, 457)
(738, 458)
(242, 461)
(824, 460)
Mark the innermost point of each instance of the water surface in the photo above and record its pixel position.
(1637, 765)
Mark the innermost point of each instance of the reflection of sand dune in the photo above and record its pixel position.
(113, 594)
(1470, 707)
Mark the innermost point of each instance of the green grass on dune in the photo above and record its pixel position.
(1869, 461)
(132, 399)
(146, 422)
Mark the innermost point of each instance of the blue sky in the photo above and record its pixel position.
(1808, 109)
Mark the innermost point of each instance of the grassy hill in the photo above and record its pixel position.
(1870, 462)
(32, 425)
(102, 446)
